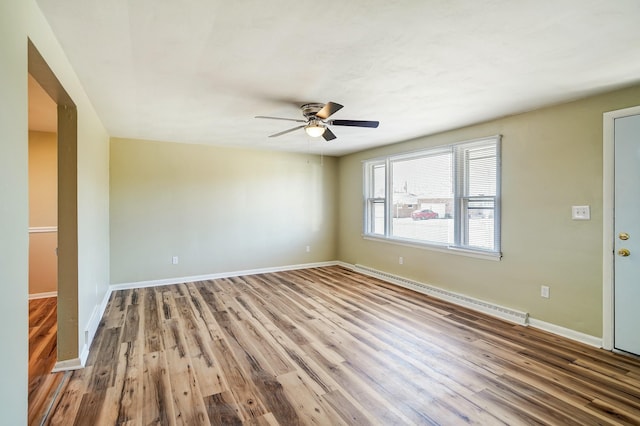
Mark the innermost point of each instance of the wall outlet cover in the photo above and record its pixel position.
(580, 212)
(544, 291)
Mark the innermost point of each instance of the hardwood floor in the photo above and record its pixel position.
(42, 356)
(328, 346)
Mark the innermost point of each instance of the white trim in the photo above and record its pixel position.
(96, 316)
(193, 278)
(608, 185)
(488, 308)
(43, 295)
(84, 355)
(93, 324)
(478, 254)
(42, 229)
(417, 151)
(566, 332)
(103, 307)
(68, 365)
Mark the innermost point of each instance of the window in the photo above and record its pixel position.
(446, 197)
(376, 200)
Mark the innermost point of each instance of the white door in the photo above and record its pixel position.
(627, 234)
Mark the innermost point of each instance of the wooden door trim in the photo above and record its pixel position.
(68, 346)
(608, 187)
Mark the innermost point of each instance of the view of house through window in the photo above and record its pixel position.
(423, 192)
(446, 196)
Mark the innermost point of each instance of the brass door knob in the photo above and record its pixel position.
(624, 252)
(623, 236)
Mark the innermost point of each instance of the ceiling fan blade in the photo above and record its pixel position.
(287, 131)
(355, 123)
(328, 110)
(280, 118)
(328, 135)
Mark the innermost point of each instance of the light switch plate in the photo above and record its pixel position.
(580, 212)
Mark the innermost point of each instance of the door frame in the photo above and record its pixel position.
(67, 303)
(608, 235)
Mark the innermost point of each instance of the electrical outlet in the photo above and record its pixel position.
(580, 213)
(308, 249)
(401, 260)
(174, 260)
(544, 291)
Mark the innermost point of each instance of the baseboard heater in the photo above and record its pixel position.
(507, 314)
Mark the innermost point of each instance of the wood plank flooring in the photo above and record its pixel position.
(42, 356)
(328, 346)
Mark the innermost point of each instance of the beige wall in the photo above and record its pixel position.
(217, 209)
(43, 262)
(19, 21)
(43, 208)
(43, 179)
(551, 159)
(14, 211)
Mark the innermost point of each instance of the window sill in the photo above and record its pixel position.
(478, 254)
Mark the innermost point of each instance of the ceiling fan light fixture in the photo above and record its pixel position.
(316, 121)
(315, 129)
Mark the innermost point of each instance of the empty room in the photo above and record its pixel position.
(339, 213)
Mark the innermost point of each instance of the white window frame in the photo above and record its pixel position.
(371, 201)
(461, 199)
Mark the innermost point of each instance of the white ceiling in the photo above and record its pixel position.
(198, 71)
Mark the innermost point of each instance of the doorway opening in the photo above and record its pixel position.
(54, 219)
(43, 242)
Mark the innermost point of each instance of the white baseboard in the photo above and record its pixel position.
(96, 317)
(98, 311)
(84, 355)
(478, 305)
(68, 365)
(566, 332)
(92, 326)
(488, 308)
(492, 309)
(193, 278)
(44, 295)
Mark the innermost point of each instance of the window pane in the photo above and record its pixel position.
(480, 223)
(481, 171)
(377, 219)
(422, 204)
(378, 181)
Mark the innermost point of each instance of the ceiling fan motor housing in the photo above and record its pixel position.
(310, 110)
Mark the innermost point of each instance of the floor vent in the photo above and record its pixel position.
(508, 314)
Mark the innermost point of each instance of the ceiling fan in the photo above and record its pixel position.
(317, 121)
